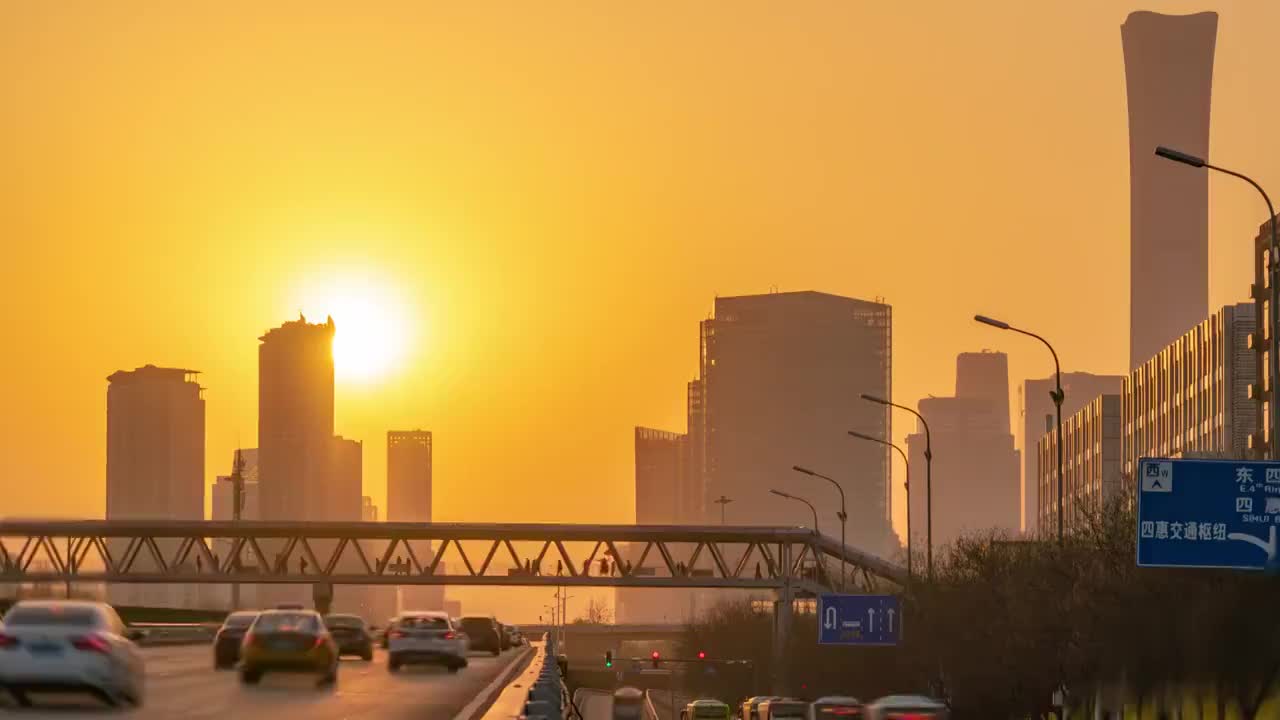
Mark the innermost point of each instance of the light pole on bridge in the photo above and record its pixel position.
(906, 485)
(722, 501)
(844, 517)
(928, 479)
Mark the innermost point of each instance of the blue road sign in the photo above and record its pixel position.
(859, 619)
(1207, 513)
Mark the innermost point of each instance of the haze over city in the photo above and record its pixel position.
(517, 216)
(374, 330)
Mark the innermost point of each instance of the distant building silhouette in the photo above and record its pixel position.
(295, 419)
(1168, 63)
(662, 473)
(409, 476)
(1079, 389)
(1092, 450)
(781, 379)
(345, 486)
(155, 461)
(409, 484)
(975, 465)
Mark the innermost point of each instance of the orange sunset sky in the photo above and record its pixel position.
(537, 202)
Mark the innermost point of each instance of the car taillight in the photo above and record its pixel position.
(249, 639)
(319, 641)
(395, 634)
(90, 643)
(845, 711)
(449, 635)
(9, 642)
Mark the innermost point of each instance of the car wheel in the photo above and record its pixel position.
(330, 678)
(393, 664)
(367, 655)
(21, 698)
(496, 653)
(250, 677)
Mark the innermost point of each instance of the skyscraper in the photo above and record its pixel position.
(1168, 62)
(345, 486)
(409, 456)
(781, 379)
(155, 445)
(409, 476)
(660, 459)
(155, 462)
(975, 466)
(295, 419)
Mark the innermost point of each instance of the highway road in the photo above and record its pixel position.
(181, 683)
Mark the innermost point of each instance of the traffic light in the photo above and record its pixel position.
(657, 656)
(608, 658)
(702, 655)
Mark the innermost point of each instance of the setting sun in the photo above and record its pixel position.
(371, 328)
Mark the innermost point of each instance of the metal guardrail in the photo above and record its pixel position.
(176, 633)
(650, 712)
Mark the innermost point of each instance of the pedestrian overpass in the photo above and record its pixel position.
(784, 559)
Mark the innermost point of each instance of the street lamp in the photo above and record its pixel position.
(812, 509)
(1273, 319)
(906, 485)
(1057, 396)
(722, 501)
(928, 481)
(844, 518)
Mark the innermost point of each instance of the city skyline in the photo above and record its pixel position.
(814, 219)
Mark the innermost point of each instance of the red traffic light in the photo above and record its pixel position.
(655, 655)
(702, 655)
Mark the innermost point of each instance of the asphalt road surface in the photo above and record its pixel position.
(182, 685)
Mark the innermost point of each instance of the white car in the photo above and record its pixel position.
(70, 646)
(425, 637)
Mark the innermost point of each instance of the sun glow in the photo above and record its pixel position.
(371, 331)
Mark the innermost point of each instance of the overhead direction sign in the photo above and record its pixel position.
(859, 619)
(1208, 513)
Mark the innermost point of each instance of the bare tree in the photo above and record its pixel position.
(598, 612)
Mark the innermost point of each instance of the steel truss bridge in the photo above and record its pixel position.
(787, 560)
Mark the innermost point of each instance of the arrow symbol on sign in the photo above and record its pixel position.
(829, 619)
(1268, 546)
(871, 619)
(890, 619)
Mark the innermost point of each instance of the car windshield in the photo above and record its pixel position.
(470, 624)
(424, 622)
(286, 622)
(343, 621)
(240, 620)
(51, 615)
